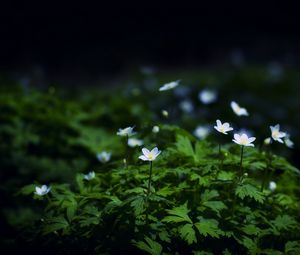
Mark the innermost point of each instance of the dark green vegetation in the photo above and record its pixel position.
(201, 201)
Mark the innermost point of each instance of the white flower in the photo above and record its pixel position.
(43, 190)
(133, 142)
(276, 134)
(165, 113)
(149, 155)
(126, 131)
(223, 128)
(272, 186)
(89, 176)
(243, 140)
(267, 141)
(170, 85)
(207, 96)
(155, 129)
(186, 106)
(202, 132)
(103, 156)
(288, 142)
(238, 110)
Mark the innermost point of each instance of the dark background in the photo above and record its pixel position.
(83, 42)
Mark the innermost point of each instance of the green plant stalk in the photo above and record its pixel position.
(241, 163)
(149, 181)
(126, 153)
(266, 172)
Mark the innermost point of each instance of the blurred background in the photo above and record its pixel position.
(76, 45)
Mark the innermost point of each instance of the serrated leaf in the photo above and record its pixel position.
(187, 233)
(216, 206)
(209, 227)
(150, 246)
(248, 190)
(209, 194)
(54, 224)
(178, 214)
(284, 222)
(138, 205)
(292, 247)
(251, 230)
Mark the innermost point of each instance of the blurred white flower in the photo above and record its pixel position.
(133, 142)
(43, 190)
(288, 142)
(170, 85)
(276, 134)
(165, 113)
(155, 129)
(186, 106)
(207, 96)
(149, 155)
(223, 128)
(243, 140)
(272, 186)
(202, 132)
(91, 175)
(238, 110)
(103, 156)
(267, 141)
(126, 131)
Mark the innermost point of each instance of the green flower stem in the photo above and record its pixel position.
(241, 163)
(266, 172)
(149, 181)
(126, 155)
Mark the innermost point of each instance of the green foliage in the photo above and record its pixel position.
(199, 202)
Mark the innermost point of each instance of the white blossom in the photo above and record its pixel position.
(128, 131)
(288, 142)
(202, 132)
(91, 175)
(277, 134)
(272, 186)
(133, 142)
(149, 155)
(238, 110)
(186, 106)
(43, 190)
(170, 85)
(207, 96)
(223, 128)
(155, 129)
(103, 156)
(243, 140)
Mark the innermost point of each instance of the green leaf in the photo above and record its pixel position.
(209, 194)
(178, 214)
(251, 230)
(150, 246)
(54, 224)
(184, 146)
(292, 247)
(248, 190)
(187, 233)
(284, 222)
(216, 206)
(209, 227)
(138, 205)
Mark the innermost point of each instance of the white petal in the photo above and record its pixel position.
(219, 123)
(237, 137)
(252, 139)
(142, 157)
(145, 151)
(154, 150)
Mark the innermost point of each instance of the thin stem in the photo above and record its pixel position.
(149, 181)
(126, 155)
(241, 161)
(148, 191)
